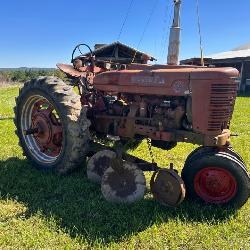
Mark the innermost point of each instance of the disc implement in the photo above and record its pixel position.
(123, 182)
(167, 187)
(98, 164)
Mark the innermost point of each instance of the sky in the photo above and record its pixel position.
(43, 33)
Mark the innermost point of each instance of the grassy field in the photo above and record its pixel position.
(44, 211)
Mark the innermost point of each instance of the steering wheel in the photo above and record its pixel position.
(89, 59)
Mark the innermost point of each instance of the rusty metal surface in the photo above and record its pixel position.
(140, 87)
(169, 82)
(160, 66)
(79, 71)
(46, 128)
(69, 70)
(167, 187)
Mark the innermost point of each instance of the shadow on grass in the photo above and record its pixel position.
(80, 209)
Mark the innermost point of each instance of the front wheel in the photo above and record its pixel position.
(217, 179)
(51, 125)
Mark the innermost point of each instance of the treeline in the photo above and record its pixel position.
(22, 76)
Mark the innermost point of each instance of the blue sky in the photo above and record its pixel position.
(42, 33)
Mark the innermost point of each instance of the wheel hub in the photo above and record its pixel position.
(47, 128)
(215, 185)
(44, 128)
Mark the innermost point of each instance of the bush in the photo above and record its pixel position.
(26, 75)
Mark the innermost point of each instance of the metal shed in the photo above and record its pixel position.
(238, 58)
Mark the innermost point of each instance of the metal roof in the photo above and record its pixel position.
(239, 52)
(243, 47)
(104, 47)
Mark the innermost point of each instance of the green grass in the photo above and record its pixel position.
(43, 211)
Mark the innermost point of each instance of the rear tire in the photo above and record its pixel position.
(62, 123)
(217, 178)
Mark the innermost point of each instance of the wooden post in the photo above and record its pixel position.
(117, 52)
(241, 87)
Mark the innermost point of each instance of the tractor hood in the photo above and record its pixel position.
(160, 80)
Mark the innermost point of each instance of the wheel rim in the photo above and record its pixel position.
(215, 185)
(41, 122)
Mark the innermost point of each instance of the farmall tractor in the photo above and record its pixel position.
(165, 104)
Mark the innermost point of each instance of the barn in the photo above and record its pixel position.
(238, 58)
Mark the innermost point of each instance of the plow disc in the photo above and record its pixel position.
(98, 164)
(123, 182)
(167, 187)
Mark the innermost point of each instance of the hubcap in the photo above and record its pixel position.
(42, 129)
(215, 185)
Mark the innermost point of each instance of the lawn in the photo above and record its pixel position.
(43, 211)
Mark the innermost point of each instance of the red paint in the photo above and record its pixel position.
(213, 90)
(49, 136)
(215, 185)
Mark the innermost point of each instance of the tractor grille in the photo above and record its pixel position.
(222, 99)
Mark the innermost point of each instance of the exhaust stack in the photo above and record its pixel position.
(174, 38)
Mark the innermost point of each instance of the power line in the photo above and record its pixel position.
(145, 28)
(125, 19)
(122, 27)
(166, 30)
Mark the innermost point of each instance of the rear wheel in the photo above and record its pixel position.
(218, 179)
(51, 125)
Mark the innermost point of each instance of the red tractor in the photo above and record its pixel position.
(164, 103)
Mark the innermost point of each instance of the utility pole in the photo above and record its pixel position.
(174, 37)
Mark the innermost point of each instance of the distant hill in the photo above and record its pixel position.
(27, 69)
